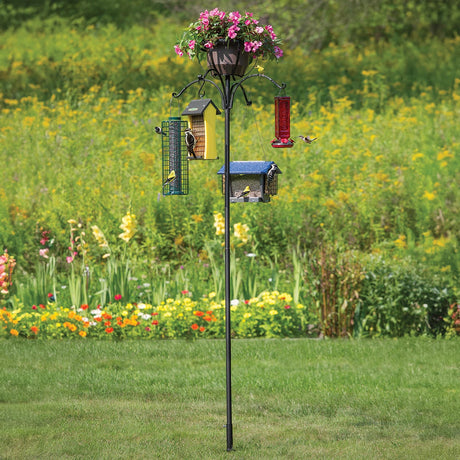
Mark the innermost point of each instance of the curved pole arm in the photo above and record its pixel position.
(236, 85)
(202, 79)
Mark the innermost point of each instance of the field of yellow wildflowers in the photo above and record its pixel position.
(81, 209)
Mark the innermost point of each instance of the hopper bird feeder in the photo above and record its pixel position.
(251, 181)
(174, 154)
(282, 122)
(202, 121)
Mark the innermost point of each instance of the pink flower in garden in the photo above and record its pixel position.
(34, 307)
(178, 51)
(117, 297)
(191, 44)
(278, 52)
(287, 307)
(235, 17)
(208, 45)
(260, 30)
(232, 31)
(69, 259)
(147, 329)
(43, 253)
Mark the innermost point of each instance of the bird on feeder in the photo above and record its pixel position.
(158, 130)
(171, 177)
(271, 173)
(245, 192)
(190, 142)
(308, 139)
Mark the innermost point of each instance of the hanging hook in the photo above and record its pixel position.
(171, 104)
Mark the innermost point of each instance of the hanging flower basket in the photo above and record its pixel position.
(214, 35)
(228, 58)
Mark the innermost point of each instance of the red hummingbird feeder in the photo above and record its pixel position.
(282, 122)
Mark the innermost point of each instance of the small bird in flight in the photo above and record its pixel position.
(190, 142)
(171, 177)
(308, 139)
(244, 193)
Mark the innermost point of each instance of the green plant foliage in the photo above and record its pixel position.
(397, 300)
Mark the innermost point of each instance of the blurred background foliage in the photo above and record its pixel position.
(83, 83)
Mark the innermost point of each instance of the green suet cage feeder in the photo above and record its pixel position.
(174, 155)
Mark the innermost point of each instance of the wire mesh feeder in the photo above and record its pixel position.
(174, 156)
(251, 181)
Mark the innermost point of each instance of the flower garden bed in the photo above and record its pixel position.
(271, 314)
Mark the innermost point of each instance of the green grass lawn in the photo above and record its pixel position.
(385, 399)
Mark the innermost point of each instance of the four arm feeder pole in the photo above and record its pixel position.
(227, 91)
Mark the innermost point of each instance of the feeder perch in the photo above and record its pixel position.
(252, 174)
(202, 121)
(282, 122)
(174, 155)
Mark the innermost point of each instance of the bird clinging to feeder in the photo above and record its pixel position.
(282, 123)
(190, 142)
(170, 178)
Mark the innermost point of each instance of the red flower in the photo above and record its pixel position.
(198, 313)
(117, 297)
(184, 292)
(42, 306)
(34, 307)
(34, 329)
(84, 307)
(202, 329)
(287, 307)
(109, 330)
(155, 313)
(194, 326)
(155, 322)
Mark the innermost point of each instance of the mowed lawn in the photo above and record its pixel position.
(293, 399)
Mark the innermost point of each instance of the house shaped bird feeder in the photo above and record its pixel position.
(251, 181)
(202, 121)
(282, 122)
(174, 157)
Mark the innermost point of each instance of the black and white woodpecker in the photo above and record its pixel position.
(271, 175)
(190, 142)
(158, 130)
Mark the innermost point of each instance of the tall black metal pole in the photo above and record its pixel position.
(227, 93)
(228, 341)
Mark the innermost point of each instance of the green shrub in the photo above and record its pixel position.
(397, 299)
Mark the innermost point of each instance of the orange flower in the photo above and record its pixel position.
(14, 332)
(34, 329)
(194, 326)
(202, 329)
(198, 313)
(82, 333)
(109, 330)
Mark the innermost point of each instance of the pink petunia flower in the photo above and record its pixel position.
(278, 52)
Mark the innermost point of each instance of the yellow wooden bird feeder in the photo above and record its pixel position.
(202, 121)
